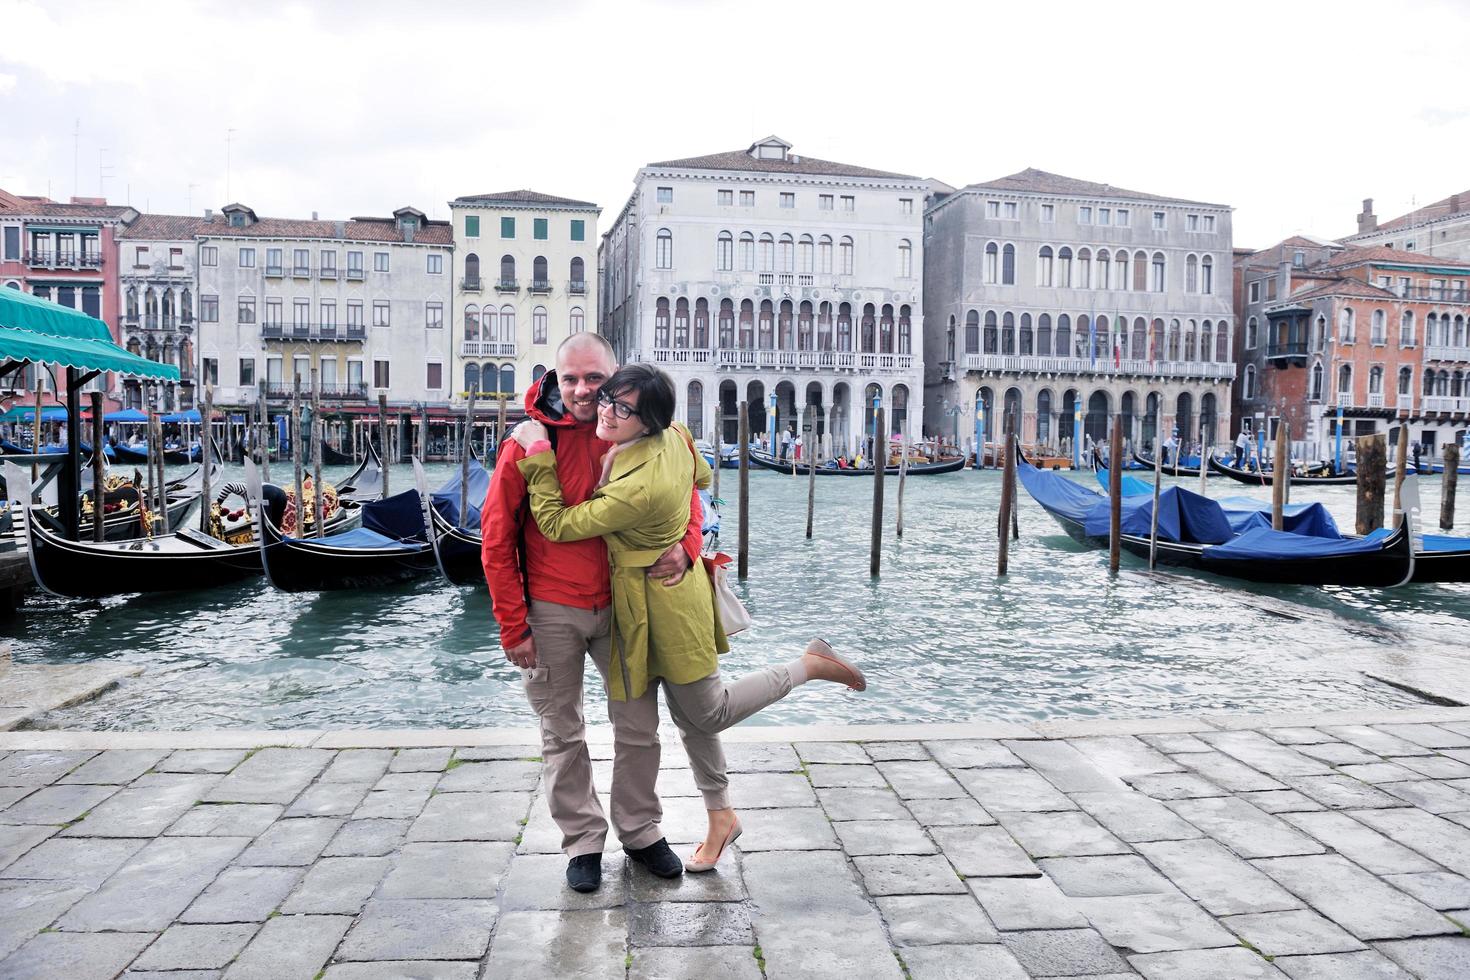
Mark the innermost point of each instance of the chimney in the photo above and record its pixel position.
(1367, 221)
(313, 216)
(209, 212)
(1283, 277)
(339, 229)
(1454, 204)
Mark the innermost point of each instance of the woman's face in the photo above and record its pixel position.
(611, 425)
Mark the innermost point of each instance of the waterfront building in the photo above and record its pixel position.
(1045, 292)
(522, 267)
(64, 252)
(1441, 229)
(781, 280)
(363, 301)
(1379, 333)
(158, 286)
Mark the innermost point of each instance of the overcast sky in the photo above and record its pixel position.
(1289, 112)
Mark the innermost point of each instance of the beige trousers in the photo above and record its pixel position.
(707, 707)
(565, 636)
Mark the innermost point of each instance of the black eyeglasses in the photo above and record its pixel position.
(621, 409)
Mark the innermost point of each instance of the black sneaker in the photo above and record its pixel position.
(584, 872)
(658, 858)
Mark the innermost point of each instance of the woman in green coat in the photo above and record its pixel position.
(667, 634)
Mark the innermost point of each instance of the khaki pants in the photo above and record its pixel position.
(564, 636)
(707, 707)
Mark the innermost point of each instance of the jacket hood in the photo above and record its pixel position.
(544, 404)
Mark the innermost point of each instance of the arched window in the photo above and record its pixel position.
(472, 270)
(1345, 326)
(844, 327)
(1156, 343)
(1406, 381)
(538, 372)
(681, 323)
(1207, 275)
(538, 325)
(578, 275)
(131, 304)
(186, 306)
(1191, 273)
(701, 324)
(1043, 335)
(1064, 267)
(1083, 277)
(767, 326)
(1140, 272)
(804, 338)
(905, 259)
(539, 274)
(1252, 334)
(806, 255)
(471, 377)
(1008, 333)
(1206, 343)
(1104, 267)
(1062, 342)
(507, 379)
(845, 251)
(992, 263)
(489, 377)
(1319, 334)
(664, 249)
(1406, 329)
(885, 330)
(1173, 341)
(661, 323)
(694, 409)
(766, 255)
(1120, 270)
(824, 254)
(725, 252)
(489, 324)
(727, 324)
(508, 271)
(1222, 341)
(1345, 384)
(1431, 330)
(785, 334)
(1008, 265)
(972, 332)
(747, 252)
(578, 322)
(1027, 346)
(787, 253)
(1375, 380)
(1316, 392)
(824, 326)
(471, 322)
(1248, 388)
(867, 330)
(1380, 328)
(992, 342)
(747, 325)
(1043, 266)
(1138, 346)
(1158, 272)
(1082, 337)
(1043, 415)
(905, 330)
(508, 324)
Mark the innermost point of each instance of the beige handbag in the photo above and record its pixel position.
(734, 617)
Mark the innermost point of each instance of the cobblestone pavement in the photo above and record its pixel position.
(1330, 846)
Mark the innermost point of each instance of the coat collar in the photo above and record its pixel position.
(642, 451)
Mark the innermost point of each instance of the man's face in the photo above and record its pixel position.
(580, 372)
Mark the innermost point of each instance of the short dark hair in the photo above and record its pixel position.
(655, 393)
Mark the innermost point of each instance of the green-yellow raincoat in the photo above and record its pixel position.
(664, 631)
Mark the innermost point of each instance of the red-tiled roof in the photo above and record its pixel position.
(522, 197)
(1036, 181)
(1450, 206)
(793, 164)
(1371, 254)
(1342, 287)
(358, 230)
(165, 227)
(42, 207)
(1273, 256)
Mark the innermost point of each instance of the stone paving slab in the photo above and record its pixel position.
(1337, 845)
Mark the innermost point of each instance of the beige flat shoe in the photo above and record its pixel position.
(693, 865)
(820, 648)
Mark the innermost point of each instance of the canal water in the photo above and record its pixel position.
(940, 636)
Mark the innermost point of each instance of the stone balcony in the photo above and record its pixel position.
(781, 360)
(1039, 364)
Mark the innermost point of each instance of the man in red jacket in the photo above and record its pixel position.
(568, 618)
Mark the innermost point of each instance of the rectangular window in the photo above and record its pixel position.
(301, 369)
(175, 258)
(1120, 218)
(380, 313)
(1104, 216)
(1255, 291)
(273, 370)
(1209, 223)
(210, 370)
(209, 255)
(301, 261)
(208, 308)
(788, 199)
(905, 205)
(579, 230)
(747, 199)
(140, 257)
(247, 370)
(435, 377)
(245, 311)
(507, 227)
(435, 264)
(849, 203)
(273, 261)
(380, 374)
(1191, 222)
(327, 372)
(1159, 221)
(666, 195)
(354, 374)
(1084, 215)
(354, 265)
(301, 313)
(992, 209)
(329, 314)
(329, 261)
(273, 311)
(1048, 212)
(724, 199)
(824, 202)
(472, 226)
(1011, 210)
(12, 244)
(354, 315)
(538, 229)
(434, 316)
(380, 261)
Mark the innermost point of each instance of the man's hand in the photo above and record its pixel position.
(528, 432)
(523, 654)
(671, 566)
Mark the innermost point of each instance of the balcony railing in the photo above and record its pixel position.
(1405, 403)
(1290, 349)
(326, 273)
(1439, 353)
(274, 272)
(285, 389)
(1433, 294)
(150, 321)
(46, 259)
(577, 286)
(1446, 403)
(540, 285)
(356, 274)
(1375, 399)
(310, 332)
(1344, 399)
(1041, 364)
(301, 272)
(471, 284)
(787, 360)
(487, 348)
(506, 286)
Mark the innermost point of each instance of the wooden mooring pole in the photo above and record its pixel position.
(1447, 496)
(297, 463)
(1007, 502)
(1372, 477)
(1280, 473)
(1153, 520)
(206, 457)
(318, 432)
(383, 440)
(464, 457)
(98, 464)
(903, 472)
(880, 463)
(811, 469)
(263, 444)
(1115, 495)
(714, 489)
(742, 551)
(1401, 464)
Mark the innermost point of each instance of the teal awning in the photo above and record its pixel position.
(26, 312)
(25, 413)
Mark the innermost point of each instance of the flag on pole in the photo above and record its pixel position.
(1118, 341)
(1092, 340)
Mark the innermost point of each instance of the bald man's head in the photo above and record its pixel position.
(583, 362)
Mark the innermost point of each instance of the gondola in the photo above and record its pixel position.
(131, 454)
(392, 546)
(331, 456)
(366, 482)
(181, 455)
(456, 542)
(1170, 469)
(768, 462)
(1263, 479)
(1194, 532)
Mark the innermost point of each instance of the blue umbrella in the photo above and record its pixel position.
(126, 415)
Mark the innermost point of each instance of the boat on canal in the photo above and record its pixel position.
(1182, 466)
(455, 538)
(768, 462)
(1196, 532)
(1319, 475)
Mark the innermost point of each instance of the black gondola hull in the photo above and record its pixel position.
(457, 550)
(766, 462)
(84, 569)
(1252, 479)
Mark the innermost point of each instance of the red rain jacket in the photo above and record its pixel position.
(571, 573)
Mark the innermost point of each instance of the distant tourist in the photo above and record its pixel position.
(1242, 446)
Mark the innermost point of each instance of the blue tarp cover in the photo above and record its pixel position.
(1312, 519)
(1263, 543)
(360, 539)
(446, 498)
(1057, 493)
(1183, 517)
(1132, 485)
(400, 517)
(1445, 542)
